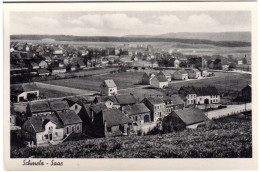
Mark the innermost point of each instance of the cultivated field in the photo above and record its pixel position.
(122, 80)
(229, 137)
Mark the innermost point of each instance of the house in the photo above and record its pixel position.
(180, 75)
(80, 64)
(189, 94)
(59, 106)
(111, 122)
(58, 70)
(116, 101)
(207, 95)
(156, 106)
(246, 93)
(87, 114)
(43, 72)
(71, 122)
(48, 59)
(108, 88)
(225, 67)
(203, 71)
(239, 62)
(40, 108)
(193, 73)
(43, 64)
(167, 74)
(24, 92)
(159, 81)
(138, 113)
(43, 130)
(146, 79)
(200, 95)
(76, 103)
(186, 118)
(34, 65)
(173, 102)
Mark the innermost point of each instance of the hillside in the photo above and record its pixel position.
(229, 137)
(217, 36)
(129, 39)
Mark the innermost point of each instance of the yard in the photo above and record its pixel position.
(122, 80)
(229, 137)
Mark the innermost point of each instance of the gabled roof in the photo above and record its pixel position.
(110, 83)
(38, 123)
(59, 105)
(161, 78)
(39, 106)
(43, 70)
(98, 107)
(187, 90)
(115, 117)
(175, 98)
(183, 72)
(154, 100)
(194, 70)
(191, 115)
(204, 91)
(136, 109)
(126, 99)
(68, 117)
(106, 98)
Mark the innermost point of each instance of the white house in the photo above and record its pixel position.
(159, 81)
(108, 88)
(193, 73)
(24, 92)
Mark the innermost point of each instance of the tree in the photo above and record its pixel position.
(244, 60)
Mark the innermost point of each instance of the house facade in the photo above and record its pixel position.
(156, 106)
(138, 113)
(159, 81)
(173, 102)
(193, 73)
(108, 88)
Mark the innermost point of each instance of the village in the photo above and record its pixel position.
(165, 92)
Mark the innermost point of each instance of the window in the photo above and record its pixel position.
(56, 134)
(111, 90)
(109, 129)
(72, 128)
(136, 118)
(76, 107)
(67, 130)
(77, 127)
(46, 136)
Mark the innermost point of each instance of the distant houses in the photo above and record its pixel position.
(146, 79)
(180, 75)
(138, 113)
(159, 81)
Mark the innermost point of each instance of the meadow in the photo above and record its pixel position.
(229, 137)
(123, 80)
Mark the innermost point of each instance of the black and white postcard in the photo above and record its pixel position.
(130, 86)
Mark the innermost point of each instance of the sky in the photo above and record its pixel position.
(128, 23)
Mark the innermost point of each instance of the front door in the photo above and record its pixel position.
(50, 136)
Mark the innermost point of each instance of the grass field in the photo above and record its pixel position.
(49, 93)
(229, 137)
(122, 80)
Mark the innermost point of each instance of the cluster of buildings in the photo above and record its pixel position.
(110, 114)
(162, 79)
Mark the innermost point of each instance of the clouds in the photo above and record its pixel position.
(117, 24)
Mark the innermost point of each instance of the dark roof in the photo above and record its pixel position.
(126, 99)
(43, 70)
(68, 117)
(41, 106)
(105, 98)
(161, 78)
(136, 109)
(114, 117)
(191, 115)
(204, 91)
(154, 100)
(182, 72)
(39, 123)
(59, 105)
(26, 87)
(98, 107)
(187, 90)
(175, 98)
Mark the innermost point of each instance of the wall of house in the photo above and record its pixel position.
(112, 91)
(191, 99)
(139, 118)
(76, 128)
(44, 137)
(212, 99)
(159, 111)
(170, 108)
